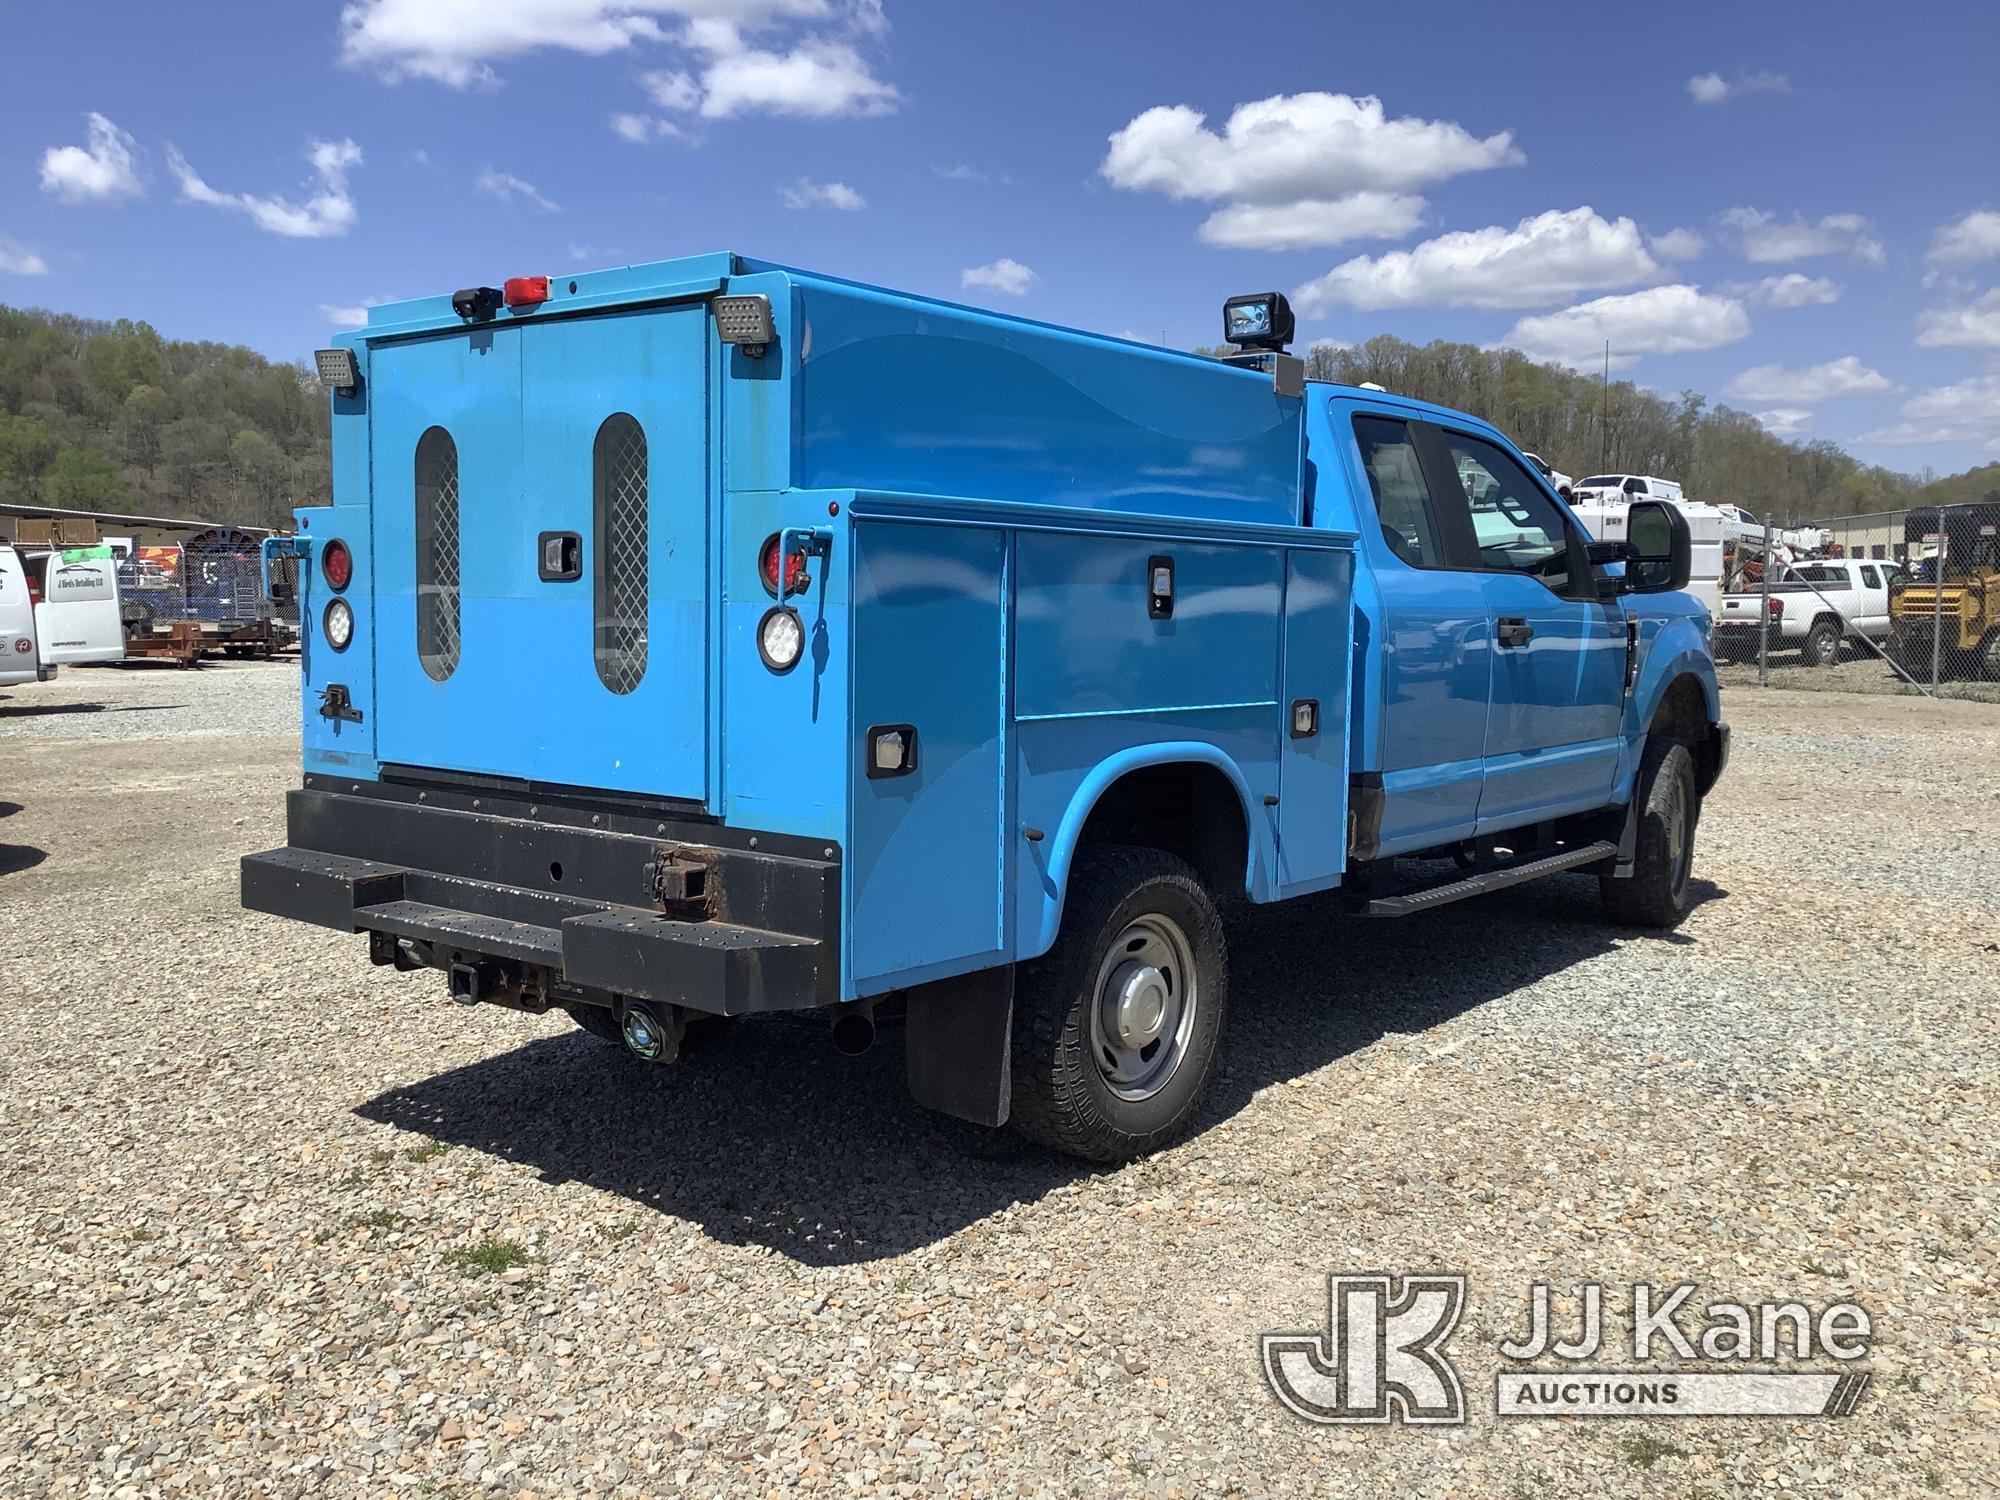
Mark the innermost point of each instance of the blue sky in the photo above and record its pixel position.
(1792, 208)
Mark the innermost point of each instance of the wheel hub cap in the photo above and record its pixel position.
(1137, 1004)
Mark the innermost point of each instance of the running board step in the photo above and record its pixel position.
(1410, 903)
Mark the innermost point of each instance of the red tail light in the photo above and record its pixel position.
(525, 291)
(34, 589)
(336, 564)
(793, 567)
(1777, 608)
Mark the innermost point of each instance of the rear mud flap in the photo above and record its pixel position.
(957, 1045)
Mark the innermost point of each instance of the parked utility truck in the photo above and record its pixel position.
(709, 637)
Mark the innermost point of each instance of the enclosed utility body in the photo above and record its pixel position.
(712, 637)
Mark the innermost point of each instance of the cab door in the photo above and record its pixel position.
(1556, 715)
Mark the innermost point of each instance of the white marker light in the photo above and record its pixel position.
(338, 624)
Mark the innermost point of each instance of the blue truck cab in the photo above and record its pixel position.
(712, 637)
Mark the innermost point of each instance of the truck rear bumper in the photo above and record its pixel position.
(567, 900)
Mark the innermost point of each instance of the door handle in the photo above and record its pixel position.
(1513, 631)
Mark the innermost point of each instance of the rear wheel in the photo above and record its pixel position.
(1989, 655)
(1822, 647)
(1116, 1027)
(1656, 892)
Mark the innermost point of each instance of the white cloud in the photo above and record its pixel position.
(329, 211)
(1003, 275)
(816, 80)
(1764, 237)
(1845, 376)
(1298, 169)
(1967, 412)
(638, 129)
(457, 42)
(1975, 237)
(355, 316)
(1713, 88)
(1540, 260)
(16, 259)
(1793, 289)
(671, 89)
(1312, 222)
(806, 194)
(507, 187)
(1784, 421)
(1976, 325)
(96, 173)
(1659, 320)
(1678, 244)
(962, 172)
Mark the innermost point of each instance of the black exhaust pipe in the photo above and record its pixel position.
(854, 1030)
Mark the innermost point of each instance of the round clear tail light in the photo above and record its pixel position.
(781, 638)
(337, 624)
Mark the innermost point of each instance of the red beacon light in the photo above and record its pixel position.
(525, 291)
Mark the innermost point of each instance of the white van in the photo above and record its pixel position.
(20, 652)
(76, 605)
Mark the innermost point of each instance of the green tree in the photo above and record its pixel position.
(27, 448)
(84, 479)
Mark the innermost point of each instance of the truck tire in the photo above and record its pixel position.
(1989, 655)
(1822, 646)
(1116, 1027)
(1656, 892)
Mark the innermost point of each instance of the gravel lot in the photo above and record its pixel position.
(274, 1222)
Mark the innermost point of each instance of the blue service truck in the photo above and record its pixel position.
(710, 637)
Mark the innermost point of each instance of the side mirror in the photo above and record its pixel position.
(1604, 557)
(1662, 550)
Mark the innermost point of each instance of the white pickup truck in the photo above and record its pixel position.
(1814, 609)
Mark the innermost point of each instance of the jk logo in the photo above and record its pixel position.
(1382, 1356)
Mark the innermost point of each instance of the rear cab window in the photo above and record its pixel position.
(1396, 484)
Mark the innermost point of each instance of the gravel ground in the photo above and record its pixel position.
(1859, 671)
(156, 700)
(273, 1222)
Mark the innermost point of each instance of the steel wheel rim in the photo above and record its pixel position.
(1680, 841)
(1143, 1007)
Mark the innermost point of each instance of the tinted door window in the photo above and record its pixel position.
(1870, 578)
(437, 553)
(1515, 526)
(1402, 500)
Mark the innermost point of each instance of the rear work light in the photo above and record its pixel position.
(336, 565)
(525, 291)
(794, 580)
(338, 370)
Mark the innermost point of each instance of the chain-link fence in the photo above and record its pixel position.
(1917, 614)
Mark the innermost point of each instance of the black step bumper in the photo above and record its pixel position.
(558, 889)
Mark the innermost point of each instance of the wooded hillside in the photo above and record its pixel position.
(1571, 421)
(110, 416)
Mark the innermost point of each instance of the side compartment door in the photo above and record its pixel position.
(1312, 765)
(1555, 728)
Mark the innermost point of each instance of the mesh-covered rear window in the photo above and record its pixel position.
(618, 493)
(437, 553)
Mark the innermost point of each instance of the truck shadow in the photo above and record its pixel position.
(773, 1139)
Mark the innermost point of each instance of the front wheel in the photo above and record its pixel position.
(1656, 892)
(1116, 1027)
(1989, 656)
